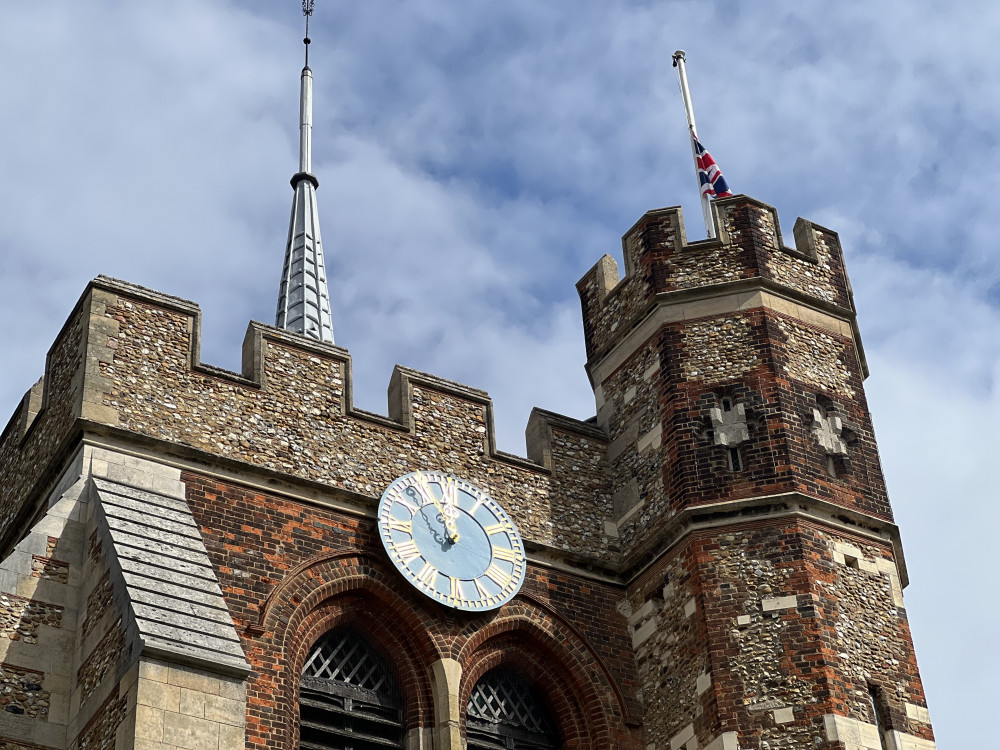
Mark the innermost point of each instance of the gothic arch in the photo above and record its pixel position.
(546, 653)
(348, 590)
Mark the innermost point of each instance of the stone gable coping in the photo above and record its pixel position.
(166, 579)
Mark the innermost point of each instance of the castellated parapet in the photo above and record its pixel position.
(730, 350)
(127, 363)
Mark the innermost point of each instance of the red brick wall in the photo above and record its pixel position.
(290, 572)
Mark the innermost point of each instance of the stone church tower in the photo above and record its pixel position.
(200, 559)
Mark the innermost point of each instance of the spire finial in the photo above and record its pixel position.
(304, 298)
(308, 6)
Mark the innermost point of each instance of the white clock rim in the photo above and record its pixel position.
(385, 503)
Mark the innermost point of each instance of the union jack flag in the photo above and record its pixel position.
(710, 176)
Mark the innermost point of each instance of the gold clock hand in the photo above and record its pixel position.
(449, 524)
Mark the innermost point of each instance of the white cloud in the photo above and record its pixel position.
(476, 159)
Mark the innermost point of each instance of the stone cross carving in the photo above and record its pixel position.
(729, 427)
(828, 431)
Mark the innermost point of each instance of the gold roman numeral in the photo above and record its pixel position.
(496, 528)
(483, 593)
(427, 574)
(408, 505)
(449, 491)
(421, 488)
(500, 553)
(456, 590)
(407, 551)
(397, 525)
(496, 575)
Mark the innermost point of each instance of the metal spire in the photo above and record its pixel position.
(304, 298)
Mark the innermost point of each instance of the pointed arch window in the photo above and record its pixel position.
(506, 712)
(348, 698)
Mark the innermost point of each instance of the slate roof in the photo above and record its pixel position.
(153, 543)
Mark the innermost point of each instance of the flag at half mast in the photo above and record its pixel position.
(713, 184)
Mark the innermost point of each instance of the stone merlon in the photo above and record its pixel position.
(127, 364)
(747, 265)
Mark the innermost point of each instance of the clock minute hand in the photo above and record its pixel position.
(449, 524)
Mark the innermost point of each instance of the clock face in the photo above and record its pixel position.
(451, 540)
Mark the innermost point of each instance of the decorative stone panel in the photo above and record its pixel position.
(100, 732)
(718, 350)
(22, 694)
(816, 358)
(98, 602)
(20, 617)
(101, 661)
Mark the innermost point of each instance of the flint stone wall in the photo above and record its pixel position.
(291, 414)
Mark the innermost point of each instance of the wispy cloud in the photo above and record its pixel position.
(475, 159)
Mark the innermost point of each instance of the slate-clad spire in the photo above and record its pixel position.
(304, 299)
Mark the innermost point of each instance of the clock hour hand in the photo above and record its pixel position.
(446, 515)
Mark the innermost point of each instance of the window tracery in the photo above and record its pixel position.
(505, 712)
(348, 698)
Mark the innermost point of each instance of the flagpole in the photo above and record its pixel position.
(706, 208)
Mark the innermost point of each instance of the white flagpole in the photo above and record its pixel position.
(706, 208)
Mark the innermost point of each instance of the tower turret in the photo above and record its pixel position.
(304, 298)
(764, 570)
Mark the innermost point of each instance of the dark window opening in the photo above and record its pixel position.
(506, 713)
(879, 714)
(348, 698)
(727, 404)
(735, 460)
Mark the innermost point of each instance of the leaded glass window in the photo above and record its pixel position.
(348, 698)
(505, 712)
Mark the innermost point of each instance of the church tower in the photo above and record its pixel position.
(199, 559)
(764, 572)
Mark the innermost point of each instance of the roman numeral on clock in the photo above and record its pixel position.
(508, 555)
(496, 575)
(427, 574)
(397, 525)
(407, 551)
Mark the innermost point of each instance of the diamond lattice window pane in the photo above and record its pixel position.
(344, 656)
(503, 698)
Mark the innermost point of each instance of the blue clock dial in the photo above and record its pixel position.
(451, 540)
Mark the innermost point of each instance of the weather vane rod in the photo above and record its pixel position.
(308, 6)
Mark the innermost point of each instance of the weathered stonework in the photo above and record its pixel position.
(49, 569)
(20, 617)
(712, 562)
(101, 661)
(718, 350)
(22, 693)
(666, 633)
(816, 358)
(99, 601)
(100, 733)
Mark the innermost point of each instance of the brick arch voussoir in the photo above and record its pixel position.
(550, 656)
(349, 589)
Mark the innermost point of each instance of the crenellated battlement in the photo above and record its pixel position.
(128, 362)
(663, 268)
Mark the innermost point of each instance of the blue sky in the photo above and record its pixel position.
(475, 159)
